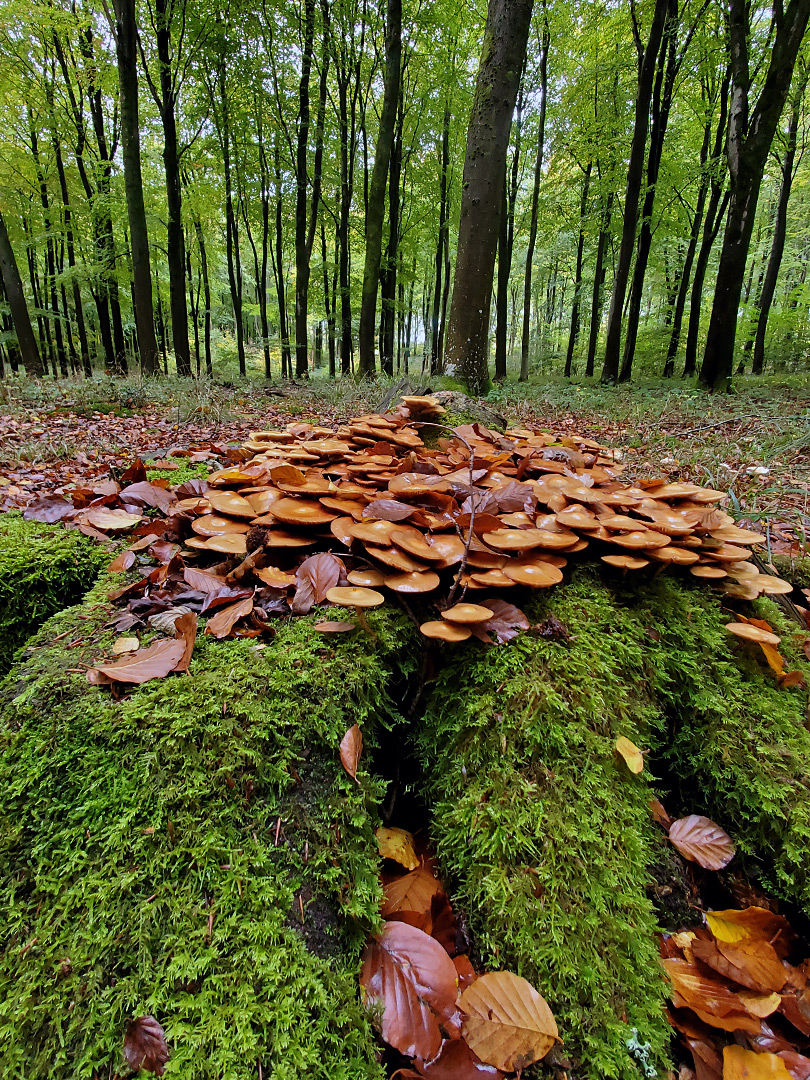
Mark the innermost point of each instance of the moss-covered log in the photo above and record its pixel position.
(43, 569)
(158, 851)
(194, 851)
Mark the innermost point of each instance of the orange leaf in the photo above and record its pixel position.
(700, 840)
(741, 1064)
(351, 747)
(412, 892)
(457, 1062)
(223, 622)
(776, 662)
(792, 678)
(185, 629)
(153, 663)
(414, 980)
(397, 844)
(751, 963)
(507, 1024)
(752, 924)
(710, 999)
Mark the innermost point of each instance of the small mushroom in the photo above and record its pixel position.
(368, 579)
(713, 573)
(413, 583)
(537, 575)
(467, 613)
(625, 562)
(358, 598)
(445, 631)
(749, 632)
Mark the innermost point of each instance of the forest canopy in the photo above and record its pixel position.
(279, 188)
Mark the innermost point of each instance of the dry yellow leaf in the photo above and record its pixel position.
(507, 1023)
(631, 754)
(741, 1064)
(397, 844)
(125, 645)
(760, 1005)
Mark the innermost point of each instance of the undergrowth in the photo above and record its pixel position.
(193, 852)
(43, 568)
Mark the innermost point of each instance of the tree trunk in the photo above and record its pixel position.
(209, 371)
(389, 277)
(598, 285)
(126, 52)
(12, 284)
(506, 240)
(661, 105)
(538, 173)
(301, 200)
(278, 271)
(503, 54)
(780, 229)
(635, 173)
(375, 213)
(442, 245)
(573, 333)
(329, 305)
(749, 144)
(718, 204)
(176, 253)
(231, 226)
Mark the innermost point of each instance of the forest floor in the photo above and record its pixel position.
(755, 443)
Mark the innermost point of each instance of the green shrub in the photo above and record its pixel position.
(43, 568)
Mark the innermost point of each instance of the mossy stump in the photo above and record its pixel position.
(43, 569)
(196, 852)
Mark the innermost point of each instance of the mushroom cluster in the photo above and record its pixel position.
(476, 512)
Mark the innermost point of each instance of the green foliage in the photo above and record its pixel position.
(547, 836)
(185, 471)
(43, 568)
(157, 852)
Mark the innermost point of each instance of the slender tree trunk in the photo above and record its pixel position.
(209, 371)
(538, 174)
(71, 256)
(13, 287)
(442, 244)
(389, 276)
(231, 226)
(780, 229)
(635, 173)
(749, 144)
(573, 333)
(502, 58)
(598, 285)
(329, 306)
(718, 203)
(506, 242)
(278, 271)
(301, 200)
(175, 253)
(375, 213)
(126, 51)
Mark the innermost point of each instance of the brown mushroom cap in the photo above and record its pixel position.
(396, 559)
(216, 525)
(262, 501)
(538, 575)
(642, 540)
(730, 534)
(302, 512)
(372, 532)
(280, 538)
(228, 502)
(413, 583)
(467, 613)
(230, 544)
(713, 573)
(749, 632)
(772, 586)
(446, 631)
(625, 562)
(527, 539)
(412, 540)
(354, 596)
(368, 579)
(496, 579)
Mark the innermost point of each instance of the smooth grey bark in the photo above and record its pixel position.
(506, 243)
(573, 332)
(375, 212)
(538, 173)
(635, 174)
(13, 287)
(750, 136)
(126, 53)
(503, 55)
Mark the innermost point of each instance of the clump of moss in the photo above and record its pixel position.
(183, 473)
(796, 570)
(542, 829)
(43, 568)
(194, 852)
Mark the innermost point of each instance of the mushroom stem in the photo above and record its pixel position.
(363, 621)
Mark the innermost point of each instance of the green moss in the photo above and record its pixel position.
(156, 852)
(43, 568)
(796, 570)
(181, 474)
(545, 832)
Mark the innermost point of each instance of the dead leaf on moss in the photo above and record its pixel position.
(751, 924)
(154, 662)
(223, 622)
(507, 1022)
(145, 1045)
(351, 747)
(397, 844)
(185, 629)
(409, 898)
(411, 976)
(125, 645)
(456, 1061)
(633, 757)
(702, 841)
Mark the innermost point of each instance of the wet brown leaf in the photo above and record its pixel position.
(315, 577)
(507, 1023)
(411, 895)
(145, 1045)
(351, 747)
(411, 976)
(752, 924)
(751, 963)
(223, 622)
(185, 629)
(702, 841)
(48, 509)
(122, 562)
(154, 662)
(456, 1061)
(506, 623)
